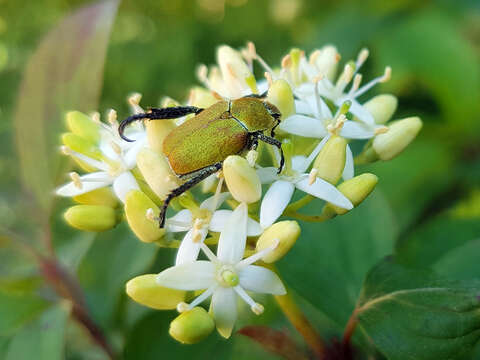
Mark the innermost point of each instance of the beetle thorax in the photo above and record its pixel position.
(252, 114)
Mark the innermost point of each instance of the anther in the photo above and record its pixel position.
(65, 150)
(257, 309)
(76, 180)
(268, 76)
(252, 157)
(95, 117)
(356, 82)
(314, 56)
(286, 61)
(182, 307)
(202, 72)
(134, 101)
(362, 56)
(112, 117)
(116, 147)
(386, 75)
(381, 130)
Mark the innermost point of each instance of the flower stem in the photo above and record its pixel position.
(295, 206)
(309, 218)
(300, 322)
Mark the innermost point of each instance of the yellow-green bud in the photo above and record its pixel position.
(192, 326)
(282, 234)
(102, 196)
(137, 207)
(201, 97)
(81, 145)
(280, 94)
(91, 217)
(145, 290)
(242, 180)
(382, 107)
(157, 172)
(330, 162)
(82, 125)
(356, 190)
(157, 131)
(400, 133)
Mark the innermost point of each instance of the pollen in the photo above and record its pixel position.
(76, 180)
(257, 309)
(312, 176)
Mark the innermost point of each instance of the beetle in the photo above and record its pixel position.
(197, 148)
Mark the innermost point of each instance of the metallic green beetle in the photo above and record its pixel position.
(197, 148)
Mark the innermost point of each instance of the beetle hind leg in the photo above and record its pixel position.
(157, 114)
(274, 142)
(202, 175)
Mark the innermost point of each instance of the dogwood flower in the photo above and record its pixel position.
(294, 176)
(117, 159)
(225, 276)
(197, 223)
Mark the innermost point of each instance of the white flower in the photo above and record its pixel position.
(281, 191)
(208, 218)
(117, 160)
(225, 275)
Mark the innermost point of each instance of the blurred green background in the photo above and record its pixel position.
(426, 208)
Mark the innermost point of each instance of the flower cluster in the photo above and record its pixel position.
(321, 114)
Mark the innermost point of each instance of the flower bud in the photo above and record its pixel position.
(327, 61)
(191, 326)
(102, 196)
(81, 145)
(280, 94)
(382, 107)
(91, 217)
(235, 71)
(157, 131)
(82, 125)
(242, 180)
(157, 172)
(137, 204)
(145, 290)
(400, 133)
(284, 234)
(201, 97)
(356, 190)
(330, 161)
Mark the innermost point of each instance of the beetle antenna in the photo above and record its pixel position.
(129, 120)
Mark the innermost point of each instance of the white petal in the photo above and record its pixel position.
(220, 217)
(356, 130)
(224, 307)
(267, 175)
(323, 112)
(357, 109)
(304, 126)
(349, 170)
(181, 221)
(130, 156)
(196, 275)
(231, 244)
(101, 178)
(324, 190)
(123, 184)
(219, 220)
(189, 249)
(275, 201)
(261, 280)
(210, 202)
(302, 107)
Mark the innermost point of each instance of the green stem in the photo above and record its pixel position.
(309, 218)
(350, 328)
(295, 206)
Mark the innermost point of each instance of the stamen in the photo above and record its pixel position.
(134, 101)
(254, 306)
(268, 76)
(381, 79)
(334, 129)
(150, 215)
(362, 57)
(381, 130)
(116, 148)
(345, 78)
(76, 180)
(286, 61)
(95, 163)
(314, 56)
(112, 118)
(65, 150)
(314, 153)
(217, 195)
(312, 176)
(95, 117)
(202, 73)
(260, 60)
(257, 256)
(208, 253)
(356, 83)
(181, 307)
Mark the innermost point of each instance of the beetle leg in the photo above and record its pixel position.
(158, 114)
(257, 96)
(202, 174)
(275, 142)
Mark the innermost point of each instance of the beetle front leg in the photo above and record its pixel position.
(275, 142)
(202, 174)
(158, 114)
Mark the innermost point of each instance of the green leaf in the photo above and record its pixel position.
(462, 262)
(433, 240)
(413, 314)
(114, 258)
(64, 73)
(329, 260)
(44, 338)
(16, 310)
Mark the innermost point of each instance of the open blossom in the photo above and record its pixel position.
(225, 276)
(117, 160)
(197, 224)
